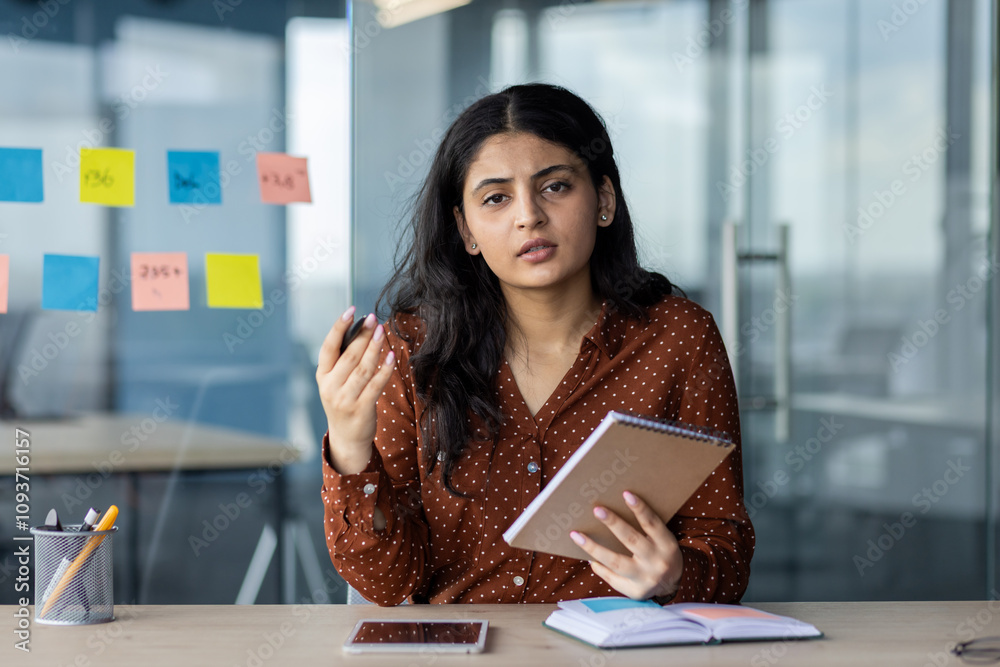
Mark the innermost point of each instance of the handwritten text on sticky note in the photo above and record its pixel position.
(107, 176)
(160, 281)
(194, 177)
(21, 175)
(69, 282)
(233, 281)
(283, 179)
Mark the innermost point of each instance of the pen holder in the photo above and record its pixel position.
(73, 576)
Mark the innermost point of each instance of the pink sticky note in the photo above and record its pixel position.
(160, 281)
(283, 179)
(727, 611)
(4, 281)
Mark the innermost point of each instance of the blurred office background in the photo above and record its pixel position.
(817, 173)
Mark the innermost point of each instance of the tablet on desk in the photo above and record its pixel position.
(417, 635)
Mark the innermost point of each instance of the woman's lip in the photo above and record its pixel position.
(537, 245)
(536, 242)
(538, 255)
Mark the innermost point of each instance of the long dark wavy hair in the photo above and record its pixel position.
(458, 298)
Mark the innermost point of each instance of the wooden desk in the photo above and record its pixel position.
(97, 445)
(857, 633)
(77, 444)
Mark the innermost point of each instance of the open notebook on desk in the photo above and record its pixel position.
(614, 621)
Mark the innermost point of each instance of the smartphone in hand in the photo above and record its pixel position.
(352, 333)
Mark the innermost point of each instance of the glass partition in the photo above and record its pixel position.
(199, 420)
(875, 485)
(816, 173)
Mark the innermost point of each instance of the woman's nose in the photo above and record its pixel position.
(528, 212)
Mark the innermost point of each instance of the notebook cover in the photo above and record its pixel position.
(663, 464)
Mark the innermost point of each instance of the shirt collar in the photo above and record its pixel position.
(609, 330)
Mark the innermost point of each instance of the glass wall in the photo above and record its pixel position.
(880, 120)
(202, 424)
(816, 173)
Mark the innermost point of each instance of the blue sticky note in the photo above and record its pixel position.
(599, 605)
(69, 282)
(194, 177)
(21, 175)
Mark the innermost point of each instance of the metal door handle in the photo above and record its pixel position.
(780, 402)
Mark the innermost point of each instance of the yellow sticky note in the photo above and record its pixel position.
(107, 176)
(233, 281)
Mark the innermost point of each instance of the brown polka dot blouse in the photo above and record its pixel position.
(440, 548)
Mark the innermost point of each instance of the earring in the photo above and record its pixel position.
(473, 246)
(604, 217)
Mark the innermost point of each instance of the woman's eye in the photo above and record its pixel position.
(558, 186)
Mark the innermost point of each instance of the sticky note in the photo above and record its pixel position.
(69, 282)
(283, 179)
(107, 176)
(21, 175)
(194, 177)
(728, 611)
(160, 281)
(600, 605)
(4, 281)
(233, 281)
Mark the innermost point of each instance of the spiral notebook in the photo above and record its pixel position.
(664, 462)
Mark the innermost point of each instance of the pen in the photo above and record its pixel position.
(52, 523)
(57, 577)
(89, 520)
(107, 521)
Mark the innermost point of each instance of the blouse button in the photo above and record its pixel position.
(519, 581)
(532, 467)
(369, 489)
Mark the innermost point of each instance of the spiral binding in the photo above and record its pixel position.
(690, 431)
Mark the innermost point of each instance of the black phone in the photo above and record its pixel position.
(352, 333)
(427, 636)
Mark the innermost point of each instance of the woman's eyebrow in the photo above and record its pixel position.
(544, 172)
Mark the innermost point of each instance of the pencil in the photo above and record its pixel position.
(106, 522)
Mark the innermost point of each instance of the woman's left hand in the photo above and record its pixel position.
(656, 563)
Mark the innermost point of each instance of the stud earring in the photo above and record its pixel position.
(604, 217)
(473, 246)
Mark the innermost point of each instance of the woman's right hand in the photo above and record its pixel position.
(349, 387)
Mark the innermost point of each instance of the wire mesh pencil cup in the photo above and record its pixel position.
(74, 583)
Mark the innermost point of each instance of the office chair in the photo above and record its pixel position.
(354, 597)
(13, 328)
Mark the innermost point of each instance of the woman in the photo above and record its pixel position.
(519, 317)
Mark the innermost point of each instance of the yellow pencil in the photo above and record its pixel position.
(106, 522)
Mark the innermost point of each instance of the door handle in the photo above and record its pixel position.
(732, 258)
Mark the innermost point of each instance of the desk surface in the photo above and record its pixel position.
(857, 633)
(133, 443)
